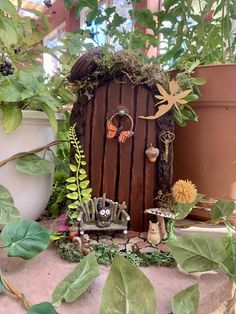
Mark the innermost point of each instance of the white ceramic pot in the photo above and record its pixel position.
(30, 193)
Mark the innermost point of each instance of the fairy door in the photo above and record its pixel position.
(122, 170)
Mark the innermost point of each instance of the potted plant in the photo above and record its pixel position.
(202, 34)
(29, 102)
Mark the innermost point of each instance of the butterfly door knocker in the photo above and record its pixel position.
(114, 131)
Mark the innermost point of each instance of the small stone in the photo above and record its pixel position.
(121, 247)
(129, 247)
(143, 235)
(163, 247)
(93, 242)
(132, 234)
(148, 249)
(106, 241)
(93, 236)
(142, 244)
(105, 237)
(135, 240)
(119, 240)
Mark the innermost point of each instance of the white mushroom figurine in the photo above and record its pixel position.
(161, 213)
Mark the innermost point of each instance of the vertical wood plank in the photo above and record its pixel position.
(87, 136)
(127, 100)
(97, 139)
(137, 194)
(150, 168)
(111, 145)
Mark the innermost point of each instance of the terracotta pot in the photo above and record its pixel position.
(205, 152)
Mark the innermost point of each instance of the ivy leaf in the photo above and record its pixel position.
(8, 212)
(25, 238)
(73, 205)
(34, 165)
(182, 210)
(121, 293)
(222, 209)
(82, 171)
(78, 281)
(10, 93)
(42, 308)
(11, 117)
(186, 301)
(197, 252)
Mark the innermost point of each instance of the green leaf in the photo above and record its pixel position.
(69, 4)
(2, 285)
(73, 195)
(82, 171)
(8, 31)
(73, 205)
(7, 7)
(34, 165)
(200, 81)
(11, 117)
(8, 212)
(42, 308)
(83, 163)
(73, 168)
(25, 238)
(182, 210)
(222, 209)
(86, 192)
(197, 252)
(9, 93)
(84, 184)
(229, 243)
(78, 281)
(82, 177)
(71, 187)
(71, 180)
(51, 116)
(186, 301)
(122, 292)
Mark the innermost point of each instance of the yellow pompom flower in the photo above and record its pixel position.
(184, 192)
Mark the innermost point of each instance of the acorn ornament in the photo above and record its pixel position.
(152, 153)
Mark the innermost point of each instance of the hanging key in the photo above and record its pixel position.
(167, 137)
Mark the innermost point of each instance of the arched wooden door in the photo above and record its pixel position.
(121, 170)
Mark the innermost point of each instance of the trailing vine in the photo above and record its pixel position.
(78, 182)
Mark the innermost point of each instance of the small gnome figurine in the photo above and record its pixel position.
(153, 235)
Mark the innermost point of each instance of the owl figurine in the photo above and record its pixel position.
(103, 216)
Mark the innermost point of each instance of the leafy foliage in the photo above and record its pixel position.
(34, 165)
(120, 293)
(42, 308)
(186, 301)
(78, 182)
(78, 281)
(197, 252)
(25, 238)
(222, 209)
(182, 210)
(8, 212)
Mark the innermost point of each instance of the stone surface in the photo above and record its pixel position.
(142, 244)
(143, 235)
(148, 249)
(93, 241)
(135, 240)
(37, 278)
(121, 247)
(163, 247)
(119, 240)
(129, 247)
(105, 241)
(105, 237)
(132, 234)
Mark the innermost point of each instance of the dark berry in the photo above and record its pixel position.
(17, 50)
(10, 71)
(47, 3)
(4, 73)
(88, 23)
(7, 63)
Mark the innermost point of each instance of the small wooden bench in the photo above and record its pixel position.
(88, 215)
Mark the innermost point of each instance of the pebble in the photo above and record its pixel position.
(135, 240)
(142, 244)
(148, 249)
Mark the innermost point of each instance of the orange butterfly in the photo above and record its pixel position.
(114, 132)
